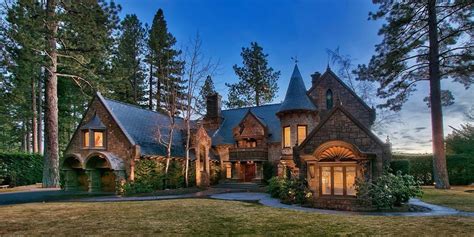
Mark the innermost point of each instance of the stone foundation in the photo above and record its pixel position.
(341, 203)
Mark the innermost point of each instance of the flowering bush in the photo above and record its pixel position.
(290, 191)
(389, 190)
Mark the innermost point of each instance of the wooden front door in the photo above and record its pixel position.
(249, 172)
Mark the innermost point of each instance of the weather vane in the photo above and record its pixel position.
(295, 58)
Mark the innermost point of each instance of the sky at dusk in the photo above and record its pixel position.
(305, 29)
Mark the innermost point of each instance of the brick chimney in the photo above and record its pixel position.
(213, 117)
(315, 77)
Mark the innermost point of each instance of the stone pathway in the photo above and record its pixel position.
(267, 200)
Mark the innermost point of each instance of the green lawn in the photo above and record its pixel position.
(209, 217)
(456, 197)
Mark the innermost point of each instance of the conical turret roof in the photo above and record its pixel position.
(296, 97)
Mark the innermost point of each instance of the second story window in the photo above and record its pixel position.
(86, 138)
(98, 139)
(93, 134)
(301, 133)
(287, 136)
(329, 99)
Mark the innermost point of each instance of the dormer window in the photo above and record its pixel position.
(329, 99)
(93, 134)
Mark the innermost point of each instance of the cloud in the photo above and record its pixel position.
(418, 129)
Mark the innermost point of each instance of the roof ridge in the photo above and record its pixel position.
(252, 107)
(138, 107)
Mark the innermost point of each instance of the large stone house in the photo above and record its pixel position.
(321, 134)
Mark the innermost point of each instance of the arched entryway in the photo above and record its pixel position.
(103, 174)
(334, 168)
(75, 177)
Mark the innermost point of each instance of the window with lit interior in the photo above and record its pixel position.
(286, 137)
(301, 133)
(338, 180)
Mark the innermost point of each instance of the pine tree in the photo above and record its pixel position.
(166, 68)
(423, 41)
(257, 81)
(128, 83)
(22, 41)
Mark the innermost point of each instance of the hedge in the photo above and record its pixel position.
(20, 169)
(460, 168)
(400, 165)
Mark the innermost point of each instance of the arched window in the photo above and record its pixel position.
(329, 99)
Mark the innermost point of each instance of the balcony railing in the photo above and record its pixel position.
(246, 154)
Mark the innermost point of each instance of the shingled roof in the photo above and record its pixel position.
(266, 114)
(141, 127)
(296, 97)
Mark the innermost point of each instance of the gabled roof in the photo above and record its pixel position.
(142, 127)
(296, 97)
(328, 73)
(351, 117)
(266, 114)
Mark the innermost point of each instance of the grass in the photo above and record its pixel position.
(209, 217)
(177, 191)
(456, 197)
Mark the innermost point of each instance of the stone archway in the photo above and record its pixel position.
(75, 178)
(105, 172)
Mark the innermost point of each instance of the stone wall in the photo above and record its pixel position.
(115, 140)
(310, 119)
(274, 152)
(341, 127)
(340, 93)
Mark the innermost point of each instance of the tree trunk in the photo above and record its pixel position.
(51, 157)
(34, 119)
(40, 116)
(150, 84)
(440, 171)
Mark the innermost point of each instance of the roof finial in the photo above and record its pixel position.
(295, 58)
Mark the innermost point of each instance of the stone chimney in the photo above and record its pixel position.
(213, 117)
(213, 106)
(315, 77)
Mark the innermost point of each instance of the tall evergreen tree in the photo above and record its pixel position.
(257, 81)
(22, 41)
(166, 68)
(128, 82)
(423, 41)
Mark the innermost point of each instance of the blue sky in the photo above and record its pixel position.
(302, 28)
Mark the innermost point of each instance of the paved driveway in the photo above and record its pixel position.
(39, 195)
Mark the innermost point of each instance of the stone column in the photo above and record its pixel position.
(120, 180)
(93, 176)
(70, 183)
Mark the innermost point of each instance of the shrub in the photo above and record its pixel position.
(215, 173)
(21, 168)
(289, 191)
(420, 167)
(400, 165)
(389, 190)
(274, 186)
(460, 169)
(268, 171)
